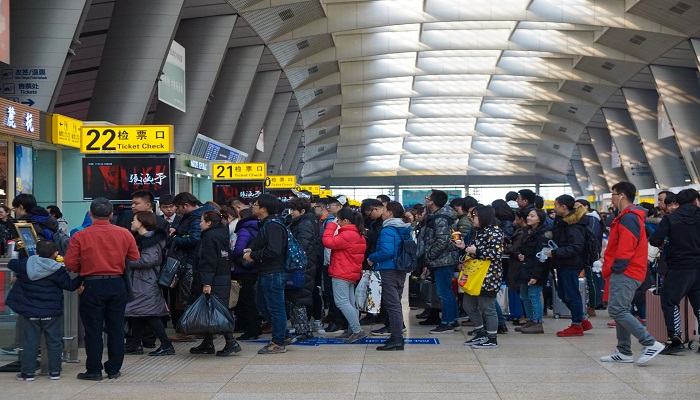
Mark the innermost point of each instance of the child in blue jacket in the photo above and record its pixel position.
(37, 295)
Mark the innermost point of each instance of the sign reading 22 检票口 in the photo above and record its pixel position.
(127, 139)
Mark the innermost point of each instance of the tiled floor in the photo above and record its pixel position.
(523, 367)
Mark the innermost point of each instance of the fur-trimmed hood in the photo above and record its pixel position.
(575, 216)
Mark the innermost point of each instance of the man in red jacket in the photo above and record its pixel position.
(625, 267)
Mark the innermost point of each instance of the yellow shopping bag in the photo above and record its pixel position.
(472, 276)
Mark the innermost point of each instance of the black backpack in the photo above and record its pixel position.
(591, 247)
(405, 258)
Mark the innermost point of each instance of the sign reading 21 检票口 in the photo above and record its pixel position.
(127, 139)
(239, 172)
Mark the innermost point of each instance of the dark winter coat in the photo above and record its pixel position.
(305, 229)
(212, 267)
(532, 268)
(38, 292)
(373, 228)
(246, 230)
(393, 232)
(513, 263)
(143, 274)
(569, 235)
(682, 228)
(269, 248)
(435, 242)
(189, 233)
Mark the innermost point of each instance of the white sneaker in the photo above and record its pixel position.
(649, 352)
(617, 357)
(316, 325)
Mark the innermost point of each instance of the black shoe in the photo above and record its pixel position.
(231, 347)
(391, 345)
(502, 328)
(168, 351)
(203, 348)
(333, 328)
(673, 346)
(431, 321)
(384, 331)
(90, 377)
(369, 319)
(133, 350)
(455, 325)
(442, 328)
(425, 314)
(114, 376)
(247, 336)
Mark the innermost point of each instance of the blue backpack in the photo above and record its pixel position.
(295, 259)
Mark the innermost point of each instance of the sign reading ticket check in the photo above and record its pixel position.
(127, 139)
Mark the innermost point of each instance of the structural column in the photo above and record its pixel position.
(595, 170)
(257, 106)
(205, 41)
(139, 38)
(581, 177)
(634, 161)
(680, 92)
(285, 134)
(575, 187)
(602, 143)
(272, 124)
(290, 153)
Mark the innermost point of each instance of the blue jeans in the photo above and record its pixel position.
(532, 300)
(270, 299)
(443, 281)
(567, 289)
(101, 308)
(53, 334)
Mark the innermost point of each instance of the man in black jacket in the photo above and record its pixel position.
(268, 252)
(681, 229)
(569, 236)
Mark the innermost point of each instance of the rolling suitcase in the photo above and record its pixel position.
(656, 325)
(560, 309)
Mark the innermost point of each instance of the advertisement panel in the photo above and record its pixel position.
(117, 177)
(247, 191)
(171, 86)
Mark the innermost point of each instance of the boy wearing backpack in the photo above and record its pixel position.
(38, 297)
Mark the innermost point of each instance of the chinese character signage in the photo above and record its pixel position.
(127, 139)
(171, 86)
(313, 189)
(65, 131)
(19, 120)
(325, 193)
(247, 191)
(239, 172)
(281, 182)
(116, 178)
(283, 195)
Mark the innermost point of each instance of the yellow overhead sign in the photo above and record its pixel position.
(326, 193)
(65, 131)
(313, 189)
(239, 172)
(281, 181)
(127, 139)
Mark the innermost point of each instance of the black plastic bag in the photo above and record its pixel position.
(207, 315)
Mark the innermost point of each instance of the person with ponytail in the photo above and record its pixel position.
(212, 274)
(347, 254)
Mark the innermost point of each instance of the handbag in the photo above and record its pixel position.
(475, 270)
(295, 280)
(234, 294)
(361, 291)
(168, 272)
(374, 293)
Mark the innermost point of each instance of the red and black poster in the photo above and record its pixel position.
(116, 178)
(247, 190)
(284, 195)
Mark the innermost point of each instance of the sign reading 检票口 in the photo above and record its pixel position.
(127, 139)
(281, 181)
(238, 172)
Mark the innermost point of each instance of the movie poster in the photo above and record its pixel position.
(24, 169)
(247, 191)
(116, 178)
(284, 195)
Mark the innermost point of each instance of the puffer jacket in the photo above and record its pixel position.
(188, 234)
(569, 235)
(143, 274)
(347, 251)
(394, 230)
(435, 243)
(212, 266)
(532, 268)
(489, 246)
(269, 248)
(464, 225)
(246, 231)
(305, 229)
(627, 247)
(38, 292)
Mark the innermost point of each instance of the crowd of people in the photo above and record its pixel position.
(117, 261)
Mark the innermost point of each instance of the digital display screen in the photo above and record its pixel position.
(116, 178)
(247, 191)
